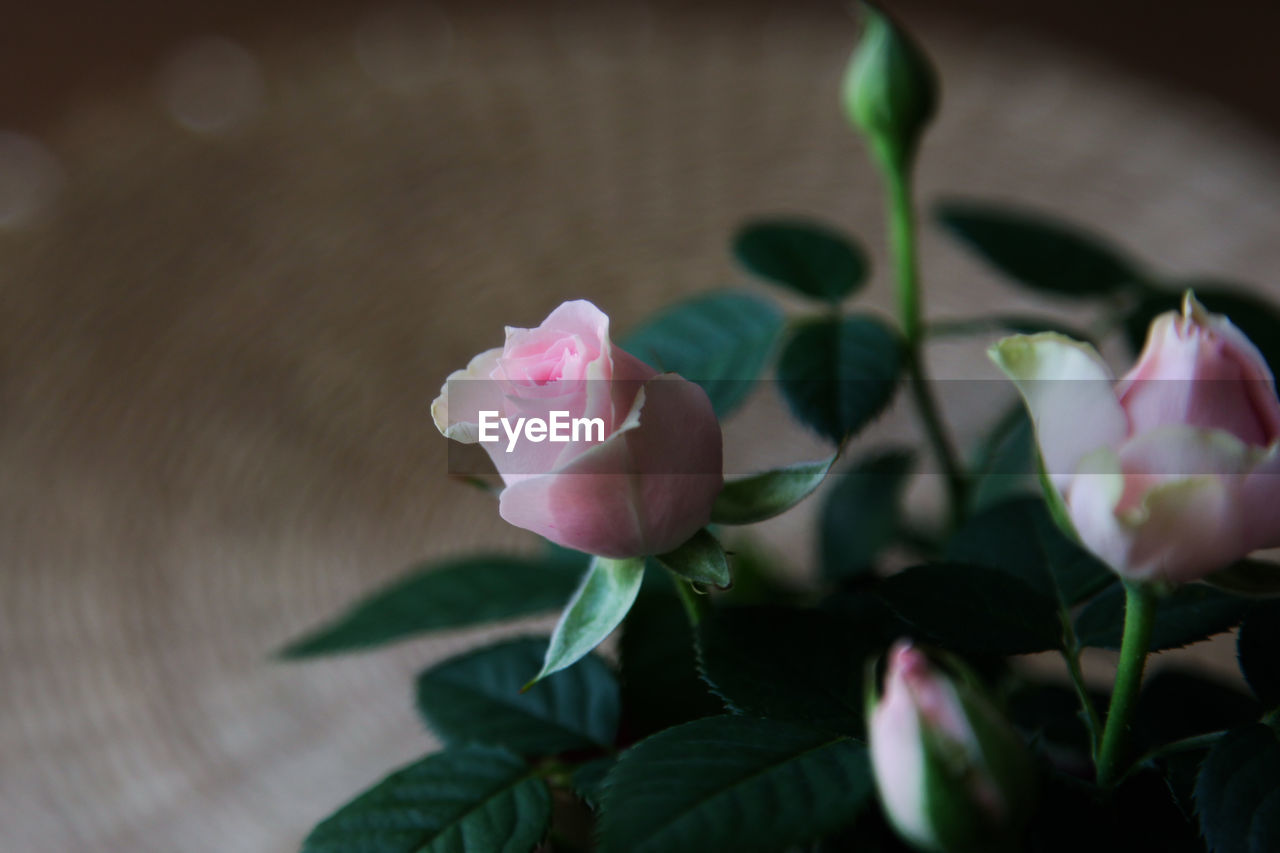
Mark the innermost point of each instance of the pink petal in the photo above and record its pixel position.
(464, 393)
(644, 491)
(1068, 391)
(897, 753)
(1259, 503)
(1200, 371)
(1166, 527)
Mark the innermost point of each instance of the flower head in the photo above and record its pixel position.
(1173, 472)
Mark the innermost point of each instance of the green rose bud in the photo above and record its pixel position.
(891, 89)
(952, 774)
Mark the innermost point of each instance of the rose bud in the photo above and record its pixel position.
(1173, 473)
(597, 450)
(890, 89)
(951, 773)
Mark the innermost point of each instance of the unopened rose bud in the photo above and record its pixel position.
(891, 89)
(952, 775)
(1172, 473)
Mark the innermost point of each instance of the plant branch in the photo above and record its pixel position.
(902, 244)
(1071, 654)
(1188, 744)
(1139, 619)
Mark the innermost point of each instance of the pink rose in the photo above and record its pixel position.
(950, 771)
(599, 452)
(1174, 472)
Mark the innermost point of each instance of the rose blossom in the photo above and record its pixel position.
(645, 489)
(1173, 472)
(950, 771)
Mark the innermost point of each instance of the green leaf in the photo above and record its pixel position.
(659, 667)
(769, 493)
(1019, 536)
(862, 514)
(588, 780)
(1248, 577)
(974, 609)
(804, 256)
(476, 698)
(1005, 464)
(719, 340)
(437, 596)
(473, 798)
(1037, 251)
(600, 603)
(1176, 704)
(838, 375)
(795, 664)
(701, 560)
(1185, 616)
(1018, 324)
(732, 783)
(1258, 318)
(1139, 816)
(1258, 650)
(1238, 792)
(1050, 713)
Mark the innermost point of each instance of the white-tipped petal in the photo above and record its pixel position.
(1068, 391)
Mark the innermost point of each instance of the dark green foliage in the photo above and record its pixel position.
(1018, 536)
(472, 798)
(1179, 703)
(839, 375)
(659, 669)
(749, 657)
(805, 257)
(732, 783)
(1187, 615)
(1238, 792)
(476, 698)
(1037, 251)
(1258, 649)
(975, 609)
(448, 594)
(721, 341)
(862, 514)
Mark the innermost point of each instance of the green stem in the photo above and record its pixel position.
(1071, 654)
(1139, 619)
(1188, 744)
(902, 245)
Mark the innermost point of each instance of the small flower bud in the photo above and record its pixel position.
(891, 89)
(953, 776)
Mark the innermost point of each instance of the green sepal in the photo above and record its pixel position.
(769, 493)
(701, 559)
(601, 602)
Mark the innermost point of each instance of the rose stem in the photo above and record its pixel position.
(1139, 618)
(902, 244)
